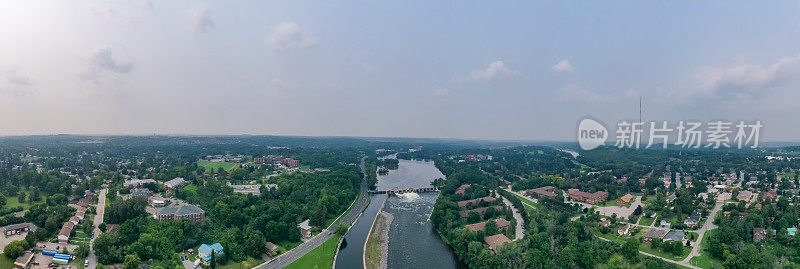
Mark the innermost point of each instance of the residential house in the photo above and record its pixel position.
(66, 231)
(770, 196)
(589, 198)
(693, 220)
(176, 212)
(305, 229)
(624, 230)
(664, 224)
(543, 192)
(654, 233)
(75, 220)
(204, 252)
(625, 199)
(462, 189)
(674, 235)
(605, 223)
(487, 199)
(759, 234)
(481, 211)
(791, 231)
(272, 249)
(481, 226)
(81, 213)
(495, 241)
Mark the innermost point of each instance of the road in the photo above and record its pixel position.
(292, 255)
(101, 210)
(520, 232)
(708, 225)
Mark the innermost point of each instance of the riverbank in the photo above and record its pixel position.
(377, 247)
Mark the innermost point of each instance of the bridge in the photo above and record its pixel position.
(417, 190)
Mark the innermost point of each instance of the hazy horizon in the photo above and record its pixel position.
(519, 71)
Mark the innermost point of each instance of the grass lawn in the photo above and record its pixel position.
(658, 252)
(527, 202)
(705, 261)
(5, 262)
(13, 201)
(646, 221)
(215, 165)
(191, 187)
(246, 264)
(320, 257)
(613, 237)
(696, 235)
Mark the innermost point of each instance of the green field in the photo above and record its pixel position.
(13, 201)
(646, 221)
(527, 202)
(246, 264)
(216, 165)
(5, 262)
(705, 260)
(320, 257)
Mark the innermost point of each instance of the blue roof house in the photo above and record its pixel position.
(204, 251)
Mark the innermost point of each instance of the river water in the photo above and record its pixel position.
(412, 241)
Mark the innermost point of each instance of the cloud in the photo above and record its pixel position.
(577, 92)
(630, 93)
(14, 77)
(742, 80)
(495, 71)
(562, 67)
(103, 60)
(440, 91)
(200, 19)
(288, 36)
(281, 85)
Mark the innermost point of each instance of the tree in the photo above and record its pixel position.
(132, 262)
(638, 210)
(491, 227)
(213, 262)
(2, 201)
(320, 215)
(341, 230)
(15, 249)
(631, 250)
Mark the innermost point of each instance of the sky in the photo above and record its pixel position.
(527, 70)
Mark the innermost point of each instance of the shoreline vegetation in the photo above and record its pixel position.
(378, 242)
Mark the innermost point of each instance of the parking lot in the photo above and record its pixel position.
(5, 240)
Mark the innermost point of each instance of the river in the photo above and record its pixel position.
(412, 241)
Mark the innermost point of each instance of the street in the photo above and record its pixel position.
(101, 209)
(520, 232)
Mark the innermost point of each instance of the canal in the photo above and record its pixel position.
(351, 256)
